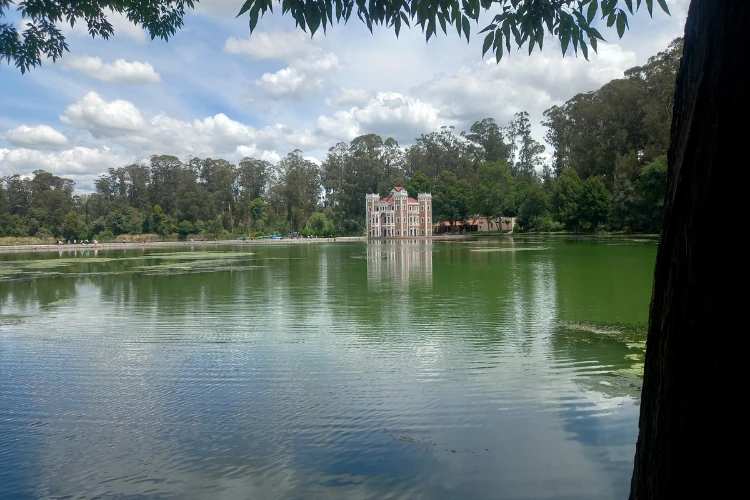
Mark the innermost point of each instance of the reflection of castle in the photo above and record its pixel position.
(399, 261)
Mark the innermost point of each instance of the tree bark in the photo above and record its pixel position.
(693, 439)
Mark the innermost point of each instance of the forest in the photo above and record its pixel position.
(606, 171)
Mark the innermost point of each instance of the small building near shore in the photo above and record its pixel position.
(476, 223)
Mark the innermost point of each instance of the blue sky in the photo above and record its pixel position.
(214, 90)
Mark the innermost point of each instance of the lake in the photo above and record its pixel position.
(426, 369)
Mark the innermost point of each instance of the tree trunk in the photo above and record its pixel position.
(693, 439)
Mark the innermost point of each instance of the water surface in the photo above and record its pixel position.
(480, 369)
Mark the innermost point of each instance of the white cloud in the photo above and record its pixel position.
(121, 123)
(300, 79)
(120, 71)
(388, 114)
(308, 65)
(346, 97)
(222, 9)
(281, 45)
(530, 83)
(39, 137)
(103, 119)
(80, 164)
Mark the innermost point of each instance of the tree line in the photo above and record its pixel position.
(607, 169)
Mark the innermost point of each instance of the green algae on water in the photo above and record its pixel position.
(522, 249)
(630, 334)
(166, 264)
(11, 319)
(635, 369)
(200, 266)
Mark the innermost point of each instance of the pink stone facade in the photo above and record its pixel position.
(398, 215)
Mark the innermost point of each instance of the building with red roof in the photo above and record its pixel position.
(398, 215)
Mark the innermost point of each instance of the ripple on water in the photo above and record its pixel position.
(297, 380)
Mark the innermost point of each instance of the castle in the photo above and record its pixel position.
(398, 215)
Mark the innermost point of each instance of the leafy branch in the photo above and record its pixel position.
(520, 22)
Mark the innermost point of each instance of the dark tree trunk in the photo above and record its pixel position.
(693, 440)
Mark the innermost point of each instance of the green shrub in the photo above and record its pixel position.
(105, 236)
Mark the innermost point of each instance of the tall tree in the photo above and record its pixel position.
(494, 192)
(566, 197)
(419, 183)
(451, 197)
(557, 124)
(165, 180)
(532, 214)
(301, 188)
(650, 188)
(486, 141)
(436, 152)
(252, 176)
(528, 152)
(594, 202)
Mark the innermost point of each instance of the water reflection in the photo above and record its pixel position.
(399, 262)
(393, 369)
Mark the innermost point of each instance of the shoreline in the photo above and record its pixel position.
(49, 247)
(166, 244)
(39, 247)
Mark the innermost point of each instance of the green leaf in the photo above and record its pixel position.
(620, 24)
(313, 20)
(441, 18)
(516, 34)
(565, 42)
(593, 43)
(611, 20)
(585, 50)
(629, 4)
(466, 27)
(488, 42)
(663, 5)
(490, 27)
(608, 7)
(474, 9)
(245, 7)
(253, 19)
(593, 6)
(650, 7)
(499, 53)
(593, 32)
